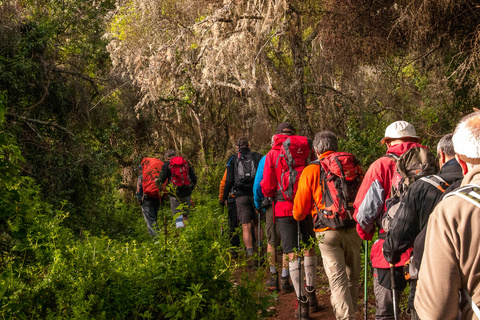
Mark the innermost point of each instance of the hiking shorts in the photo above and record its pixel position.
(245, 209)
(288, 228)
(271, 229)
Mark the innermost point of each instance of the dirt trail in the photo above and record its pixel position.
(285, 306)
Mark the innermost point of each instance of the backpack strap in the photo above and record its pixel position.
(469, 192)
(436, 181)
(392, 156)
(471, 303)
(321, 181)
(344, 180)
(291, 171)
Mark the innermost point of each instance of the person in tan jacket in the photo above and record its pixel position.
(450, 269)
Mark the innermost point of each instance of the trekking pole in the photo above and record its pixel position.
(300, 275)
(259, 238)
(394, 298)
(275, 244)
(165, 229)
(221, 223)
(365, 281)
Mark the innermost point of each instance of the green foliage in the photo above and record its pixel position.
(363, 140)
(178, 275)
(209, 176)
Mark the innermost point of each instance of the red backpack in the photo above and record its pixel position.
(179, 168)
(151, 168)
(340, 179)
(293, 158)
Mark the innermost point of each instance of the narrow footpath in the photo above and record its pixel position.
(285, 306)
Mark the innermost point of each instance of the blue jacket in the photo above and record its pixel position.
(257, 189)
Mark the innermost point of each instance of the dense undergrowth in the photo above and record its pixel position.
(51, 271)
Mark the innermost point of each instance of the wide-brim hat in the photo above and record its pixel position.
(399, 130)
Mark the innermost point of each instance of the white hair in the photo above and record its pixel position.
(466, 138)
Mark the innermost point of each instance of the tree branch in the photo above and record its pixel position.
(45, 123)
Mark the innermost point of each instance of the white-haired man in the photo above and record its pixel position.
(450, 268)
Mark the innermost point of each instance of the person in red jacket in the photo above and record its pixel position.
(287, 225)
(369, 205)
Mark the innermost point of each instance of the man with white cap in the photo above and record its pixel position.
(450, 266)
(369, 205)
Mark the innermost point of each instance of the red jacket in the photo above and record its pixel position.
(370, 202)
(269, 183)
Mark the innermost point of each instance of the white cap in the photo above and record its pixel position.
(399, 130)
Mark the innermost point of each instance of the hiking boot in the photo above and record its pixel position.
(312, 299)
(305, 313)
(272, 283)
(250, 258)
(285, 286)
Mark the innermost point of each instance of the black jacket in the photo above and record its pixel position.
(231, 167)
(419, 201)
(181, 191)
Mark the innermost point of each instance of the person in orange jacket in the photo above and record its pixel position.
(232, 213)
(340, 247)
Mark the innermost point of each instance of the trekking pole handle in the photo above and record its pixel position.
(392, 275)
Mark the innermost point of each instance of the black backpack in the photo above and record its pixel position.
(413, 265)
(412, 165)
(245, 170)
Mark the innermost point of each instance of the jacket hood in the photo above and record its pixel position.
(400, 148)
(278, 140)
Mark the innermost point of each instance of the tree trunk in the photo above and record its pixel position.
(298, 84)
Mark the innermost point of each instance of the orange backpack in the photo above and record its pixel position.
(151, 168)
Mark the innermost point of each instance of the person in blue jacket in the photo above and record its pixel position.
(273, 237)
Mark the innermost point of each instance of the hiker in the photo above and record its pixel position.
(450, 266)
(415, 208)
(400, 136)
(180, 174)
(272, 235)
(148, 193)
(280, 184)
(232, 214)
(339, 242)
(241, 169)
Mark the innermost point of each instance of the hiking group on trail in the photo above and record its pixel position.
(422, 210)
(152, 188)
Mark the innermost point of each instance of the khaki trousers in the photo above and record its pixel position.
(340, 251)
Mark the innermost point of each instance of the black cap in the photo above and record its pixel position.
(170, 154)
(285, 127)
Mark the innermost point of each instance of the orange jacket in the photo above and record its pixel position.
(309, 193)
(222, 186)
